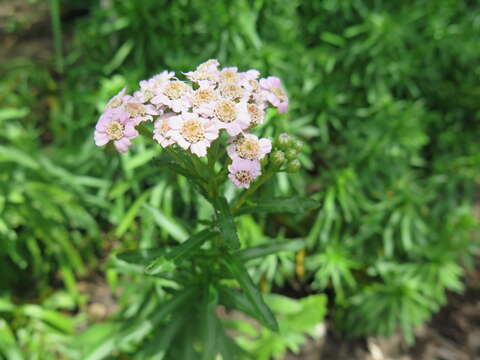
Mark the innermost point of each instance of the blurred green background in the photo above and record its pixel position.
(384, 95)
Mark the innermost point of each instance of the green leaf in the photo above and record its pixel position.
(156, 348)
(209, 322)
(226, 223)
(239, 272)
(11, 154)
(120, 56)
(51, 317)
(144, 326)
(13, 113)
(185, 249)
(232, 299)
(282, 304)
(8, 346)
(270, 248)
(6, 306)
(160, 265)
(293, 205)
(97, 341)
(174, 229)
(131, 214)
(141, 256)
(333, 39)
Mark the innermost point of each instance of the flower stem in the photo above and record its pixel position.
(239, 202)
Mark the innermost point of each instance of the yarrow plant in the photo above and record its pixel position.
(191, 115)
(206, 124)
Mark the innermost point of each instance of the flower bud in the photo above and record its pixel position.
(293, 166)
(277, 158)
(297, 145)
(291, 154)
(284, 141)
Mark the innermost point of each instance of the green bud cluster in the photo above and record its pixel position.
(285, 157)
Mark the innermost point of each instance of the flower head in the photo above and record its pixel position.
(193, 132)
(117, 100)
(231, 116)
(115, 125)
(242, 172)
(274, 93)
(148, 88)
(161, 128)
(140, 112)
(173, 94)
(205, 72)
(249, 147)
(229, 74)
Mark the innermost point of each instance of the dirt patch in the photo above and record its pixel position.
(452, 334)
(25, 30)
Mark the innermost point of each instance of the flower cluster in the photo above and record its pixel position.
(192, 113)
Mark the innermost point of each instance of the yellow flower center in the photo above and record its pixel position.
(163, 127)
(202, 74)
(203, 96)
(228, 75)
(226, 111)
(248, 148)
(193, 131)
(115, 130)
(148, 94)
(255, 114)
(135, 109)
(243, 176)
(280, 93)
(254, 84)
(175, 89)
(231, 91)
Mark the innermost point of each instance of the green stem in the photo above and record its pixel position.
(239, 202)
(57, 33)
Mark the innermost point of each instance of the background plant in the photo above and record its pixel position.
(383, 95)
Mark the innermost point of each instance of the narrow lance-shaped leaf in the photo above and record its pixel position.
(270, 248)
(226, 223)
(187, 248)
(209, 324)
(141, 256)
(293, 205)
(239, 272)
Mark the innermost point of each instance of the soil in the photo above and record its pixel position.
(452, 334)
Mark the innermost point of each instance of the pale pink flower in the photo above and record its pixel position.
(191, 131)
(250, 74)
(148, 88)
(175, 95)
(275, 93)
(161, 129)
(115, 125)
(249, 147)
(204, 98)
(233, 91)
(231, 116)
(206, 72)
(117, 100)
(139, 112)
(229, 74)
(242, 172)
(256, 114)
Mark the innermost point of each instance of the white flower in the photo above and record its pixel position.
(161, 129)
(249, 147)
(191, 131)
(173, 94)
